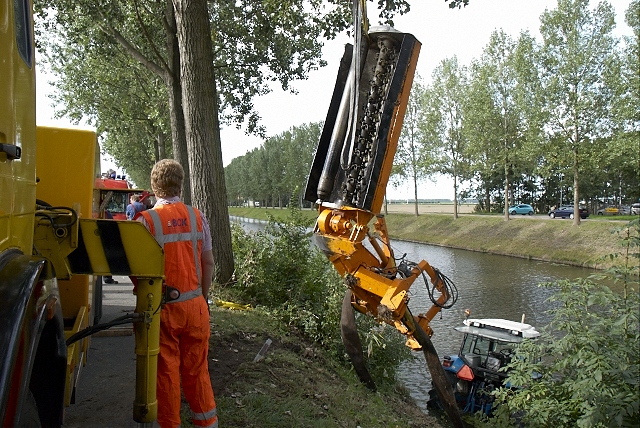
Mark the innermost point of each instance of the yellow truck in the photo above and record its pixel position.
(52, 252)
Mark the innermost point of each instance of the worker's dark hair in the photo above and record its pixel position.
(166, 178)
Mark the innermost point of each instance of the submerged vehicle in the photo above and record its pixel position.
(487, 347)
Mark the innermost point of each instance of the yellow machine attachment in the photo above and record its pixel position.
(350, 172)
(379, 287)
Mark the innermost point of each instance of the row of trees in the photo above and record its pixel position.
(528, 119)
(275, 172)
(528, 122)
(158, 77)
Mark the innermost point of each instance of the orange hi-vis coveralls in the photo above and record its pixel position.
(184, 323)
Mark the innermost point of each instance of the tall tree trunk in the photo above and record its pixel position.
(176, 114)
(487, 198)
(156, 147)
(199, 102)
(576, 193)
(506, 182)
(455, 195)
(162, 152)
(415, 190)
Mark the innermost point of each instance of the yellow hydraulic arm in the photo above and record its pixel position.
(379, 287)
(348, 180)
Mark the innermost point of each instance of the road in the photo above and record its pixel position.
(429, 208)
(105, 392)
(468, 209)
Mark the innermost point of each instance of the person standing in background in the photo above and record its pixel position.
(183, 233)
(134, 207)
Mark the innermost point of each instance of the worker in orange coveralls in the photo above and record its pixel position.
(184, 234)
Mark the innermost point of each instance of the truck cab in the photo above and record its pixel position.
(111, 195)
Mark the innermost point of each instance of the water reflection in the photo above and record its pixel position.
(491, 286)
(249, 224)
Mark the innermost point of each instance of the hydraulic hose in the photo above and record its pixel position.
(125, 319)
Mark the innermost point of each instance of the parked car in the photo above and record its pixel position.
(521, 209)
(624, 210)
(635, 208)
(608, 211)
(566, 211)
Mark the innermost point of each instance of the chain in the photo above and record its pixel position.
(356, 182)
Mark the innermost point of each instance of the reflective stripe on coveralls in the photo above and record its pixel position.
(194, 236)
(205, 416)
(187, 296)
(184, 326)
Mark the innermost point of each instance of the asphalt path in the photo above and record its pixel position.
(106, 388)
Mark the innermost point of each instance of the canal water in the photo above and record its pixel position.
(490, 286)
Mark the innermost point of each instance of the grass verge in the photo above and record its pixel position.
(294, 385)
(558, 241)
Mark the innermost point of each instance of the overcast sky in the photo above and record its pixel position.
(443, 33)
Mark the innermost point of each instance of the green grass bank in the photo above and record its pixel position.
(294, 384)
(537, 238)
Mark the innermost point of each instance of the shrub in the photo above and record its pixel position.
(282, 272)
(586, 362)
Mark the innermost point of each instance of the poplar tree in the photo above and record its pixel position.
(414, 155)
(444, 121)
(577, 51)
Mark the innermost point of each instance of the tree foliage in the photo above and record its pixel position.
(128, 108)
(546, 119)
(504, 65)
(274, 174)
(254, 43)
(444, 121)
(576, 52)
(414, 156)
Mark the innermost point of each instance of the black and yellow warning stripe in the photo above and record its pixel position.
(111, 247)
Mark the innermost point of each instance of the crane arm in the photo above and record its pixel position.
(348, 181)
